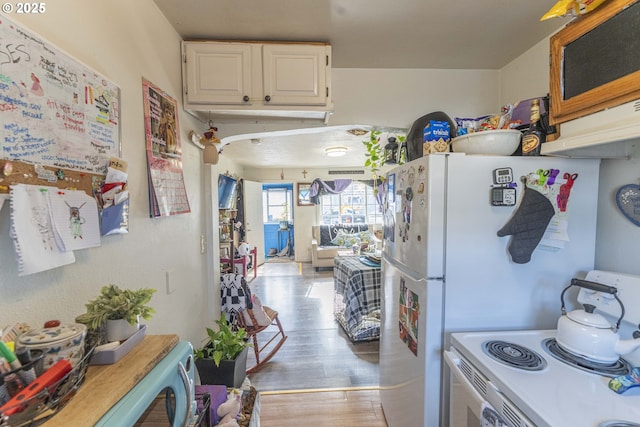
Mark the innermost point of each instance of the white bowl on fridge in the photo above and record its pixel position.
(503, 142)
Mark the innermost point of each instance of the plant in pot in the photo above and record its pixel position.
(223, 359)
(118, 311)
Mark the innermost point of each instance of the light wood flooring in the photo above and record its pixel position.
(317, 354)
(319, 377)
(352, 408)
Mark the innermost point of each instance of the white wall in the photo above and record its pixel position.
(125, 41)
(617, 239)
(526, 76)
(393, 97)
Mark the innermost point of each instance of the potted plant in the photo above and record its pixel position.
(223, 359)
(118, 310)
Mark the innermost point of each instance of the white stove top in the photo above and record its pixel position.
(557, 396)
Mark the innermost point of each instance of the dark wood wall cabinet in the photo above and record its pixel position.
(595, 61)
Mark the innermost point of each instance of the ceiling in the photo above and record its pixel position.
(303, 148)
(441, 34)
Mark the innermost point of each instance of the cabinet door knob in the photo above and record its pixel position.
(267, 98)
(245, 98)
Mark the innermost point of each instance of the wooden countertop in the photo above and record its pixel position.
(105, 385)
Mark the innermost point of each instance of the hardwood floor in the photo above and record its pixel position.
(354, 408)
(319, 377)
(317, 354)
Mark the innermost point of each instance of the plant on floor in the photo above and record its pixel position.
(223, 359)
(223, 344)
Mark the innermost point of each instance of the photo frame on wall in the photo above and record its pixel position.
(304, 190)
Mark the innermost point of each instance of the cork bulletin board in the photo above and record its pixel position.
(59, 119)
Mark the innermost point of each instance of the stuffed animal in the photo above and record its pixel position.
(244, 249)
(229, 410)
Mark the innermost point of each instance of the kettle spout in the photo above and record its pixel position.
(627, 346)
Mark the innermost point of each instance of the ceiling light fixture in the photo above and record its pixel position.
(358, 132)
(335, 151)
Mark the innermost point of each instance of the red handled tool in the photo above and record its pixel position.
(45, 381)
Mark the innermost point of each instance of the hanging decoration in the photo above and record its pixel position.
(628, 201)
(210, 140)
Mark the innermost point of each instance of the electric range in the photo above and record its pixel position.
(547, 391)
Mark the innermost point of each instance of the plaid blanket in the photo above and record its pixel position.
(357, 287)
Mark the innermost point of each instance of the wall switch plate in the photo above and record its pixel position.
(169, 284)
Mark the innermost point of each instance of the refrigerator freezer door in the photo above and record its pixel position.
(415, 215)
(410, 347)
(485, 288)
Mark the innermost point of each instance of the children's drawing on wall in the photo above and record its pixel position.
(33, 234)
(40, 220)
(75, 219)
(36, 88)
(409, 313)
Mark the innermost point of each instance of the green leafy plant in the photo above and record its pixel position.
(223, 344)
(114, 303)
(374, 153)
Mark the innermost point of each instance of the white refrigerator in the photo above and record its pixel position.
(446, 269)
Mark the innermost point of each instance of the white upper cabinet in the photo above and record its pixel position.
(295, 74)
(218, 73)
(279, 78)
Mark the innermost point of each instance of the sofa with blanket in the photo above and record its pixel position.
(327, 240)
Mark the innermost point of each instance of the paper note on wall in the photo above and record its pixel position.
(55, 110)
(32, 230)
(75, 219)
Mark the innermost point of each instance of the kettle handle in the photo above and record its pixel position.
(594, 286)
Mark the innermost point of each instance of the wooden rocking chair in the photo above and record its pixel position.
(257, 320)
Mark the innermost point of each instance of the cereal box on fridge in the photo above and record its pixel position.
(436, 137)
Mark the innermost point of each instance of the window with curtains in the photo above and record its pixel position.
(355, 205)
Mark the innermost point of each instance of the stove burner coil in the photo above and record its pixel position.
(615, 369)
(514, 355)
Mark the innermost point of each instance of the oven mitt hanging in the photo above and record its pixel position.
(527, 225)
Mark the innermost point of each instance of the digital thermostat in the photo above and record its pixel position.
(502, 176)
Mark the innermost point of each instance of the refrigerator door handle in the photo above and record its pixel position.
(406, 271)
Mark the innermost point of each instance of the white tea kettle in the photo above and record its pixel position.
(590, 335)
